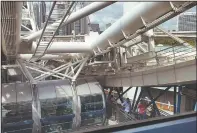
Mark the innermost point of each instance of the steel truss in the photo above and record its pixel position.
(68, 70)
(151, 25)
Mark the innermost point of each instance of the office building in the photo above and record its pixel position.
(95, 27)
(187, 21)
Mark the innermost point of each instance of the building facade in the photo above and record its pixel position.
(95, 27)
(187, 21)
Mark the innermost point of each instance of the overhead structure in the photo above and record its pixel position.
(140, 17)
(89, 9)
(11, 27)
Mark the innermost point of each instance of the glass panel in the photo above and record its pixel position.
(56, 113)
(15, 113)
(92, 110)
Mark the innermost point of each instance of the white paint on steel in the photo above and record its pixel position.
(87, 10)
(11, 26)
(66, 47)
(45, 57)
(131, 22)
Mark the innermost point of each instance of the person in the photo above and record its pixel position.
(109, 106)
(142, 110)
(127, 105)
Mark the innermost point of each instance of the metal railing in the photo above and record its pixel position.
(165, 57)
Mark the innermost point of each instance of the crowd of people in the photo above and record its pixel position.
(143, 111)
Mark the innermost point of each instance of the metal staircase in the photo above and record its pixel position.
(59, 11)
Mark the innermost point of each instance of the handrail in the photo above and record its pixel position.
(67, 14)
(44, 28)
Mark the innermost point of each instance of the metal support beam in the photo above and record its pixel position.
(64, 17)
(44, 28)
(116, 28)
(36, 110)
(77, 118)
(156, 110)
(49, 74)
(175, 99)
(43, 72)
(87, 10)
(123, 93)
(160, 94)
(72, 72)
(138, 99)
(54, 72)
(179, 100)
(119, 95)
(26, 72)
(80, 68)
(179, 40)
(136, 90)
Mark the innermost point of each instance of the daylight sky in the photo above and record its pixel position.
(113, 12)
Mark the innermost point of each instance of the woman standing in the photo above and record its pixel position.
(142, 110)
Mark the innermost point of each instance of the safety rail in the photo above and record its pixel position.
(121, 115)
(26, 130)
(163, 112)
(169, 56)
(41, 48)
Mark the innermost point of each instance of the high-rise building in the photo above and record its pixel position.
(40, 13)
(95, 27)
(187, 21)
(80, 26)
(107, 25)
(37, 14)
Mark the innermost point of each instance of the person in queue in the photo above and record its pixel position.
(142, 110)
(127, 105)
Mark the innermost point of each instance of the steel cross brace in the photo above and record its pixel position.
(25, 71)
(50, 74)
(134, 98)
(80, 68)
(160, 94)
(140, 95)
(46, 69)
(175, 90)
(123, 93)
(152, 100)
(43, 72)
(119, 95)
(59, 69)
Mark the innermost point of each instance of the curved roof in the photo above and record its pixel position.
(54, 89)
(88, 86)
(49, 89)
(16, 92)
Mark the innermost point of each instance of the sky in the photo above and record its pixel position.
(115, 11)
(107, 15)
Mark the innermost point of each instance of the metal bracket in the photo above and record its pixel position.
(99, 50)
(124, 34)
(110, 43)
(143, 21)
(173, 7)
(26, 72)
